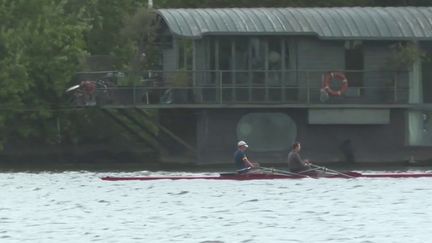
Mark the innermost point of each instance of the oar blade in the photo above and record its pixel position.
(73, 88)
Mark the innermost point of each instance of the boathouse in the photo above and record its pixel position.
(351, 84)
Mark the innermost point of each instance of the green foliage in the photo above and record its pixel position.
(140, 50)
(181, 78)
(41, 46)
(91, 127)
(404, 55)
(106, 20)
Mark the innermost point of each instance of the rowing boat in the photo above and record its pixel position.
(269, 176)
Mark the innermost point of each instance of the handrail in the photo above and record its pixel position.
(255, 86)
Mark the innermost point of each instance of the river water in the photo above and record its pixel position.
(79, 207)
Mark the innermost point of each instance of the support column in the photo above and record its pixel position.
(415, 118)
(415, 83)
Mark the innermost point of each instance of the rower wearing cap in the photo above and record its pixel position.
(241, 161)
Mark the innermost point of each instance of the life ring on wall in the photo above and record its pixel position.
(339, 76)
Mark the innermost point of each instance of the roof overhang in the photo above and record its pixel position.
(365, 23)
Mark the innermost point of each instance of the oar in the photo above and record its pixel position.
(309, 170)
(334, 171)
(73, 88)
(282, 172)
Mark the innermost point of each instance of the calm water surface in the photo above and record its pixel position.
(79, 207)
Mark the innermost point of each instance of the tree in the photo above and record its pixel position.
(140, 33)
(41, 49)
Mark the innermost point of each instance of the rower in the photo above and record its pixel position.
(295, 163)
(240, 159)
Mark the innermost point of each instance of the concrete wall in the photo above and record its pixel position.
(349, 116)
(317, 55)
(216, 132)
(376, 59)
(170, 62)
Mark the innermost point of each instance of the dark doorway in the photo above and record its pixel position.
(427, 78)
(354, 63)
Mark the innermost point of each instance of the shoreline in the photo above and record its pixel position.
(190, 167)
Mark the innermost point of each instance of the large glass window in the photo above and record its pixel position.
(185, 54)
(420, 128)
(274, 73)
(213, 61)
(225, 67)
(275, 55)
(258, 49)
(251, 69)
(287, 61)
(241, 72)
(427, 73)
(267, 131)
(212, 54)
(354, 63)
(225, 59)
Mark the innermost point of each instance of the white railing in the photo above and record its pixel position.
(252, 87)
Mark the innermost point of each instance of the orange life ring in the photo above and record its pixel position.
(328, 77)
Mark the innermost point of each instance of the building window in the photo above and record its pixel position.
(354, 63)
(420, 128)
(213, 54)
(427, 75)
(258, 51)
(274, 69)
(241, 60)
(287, 62)
(225, 54)
(241, 66)
(266, 132)
(185, 54)
(274, 61)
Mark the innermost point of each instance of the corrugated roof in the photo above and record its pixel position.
(327, 23)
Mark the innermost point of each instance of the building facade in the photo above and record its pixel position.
(351, 84)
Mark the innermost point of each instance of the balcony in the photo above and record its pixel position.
(297, 88)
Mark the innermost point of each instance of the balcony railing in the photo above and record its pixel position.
(255, 87)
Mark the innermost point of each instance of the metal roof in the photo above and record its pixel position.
(326, 23)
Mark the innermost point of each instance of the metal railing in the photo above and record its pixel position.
(256, 87)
